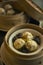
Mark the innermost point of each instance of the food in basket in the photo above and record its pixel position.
(8, 6)
(27, 35)
(2, 11)
(10, 12)
(25, 42)
(19, 43)
(31, 45)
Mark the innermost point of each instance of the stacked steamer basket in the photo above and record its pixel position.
(10, 16)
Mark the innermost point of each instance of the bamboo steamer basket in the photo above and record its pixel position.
(27, 6)
(8, 21)
(10, 57)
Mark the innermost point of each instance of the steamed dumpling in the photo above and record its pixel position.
(19, 43)
(31, 45)
(8, 6)
(10, 12)
(2, 11)
(27, 35)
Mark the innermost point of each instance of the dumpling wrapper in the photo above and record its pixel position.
(10, 12)
(19, 43)
(8, 6)
(31, 45)
(2, 11)
(27, 36)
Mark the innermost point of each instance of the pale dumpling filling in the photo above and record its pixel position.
(27, 41)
